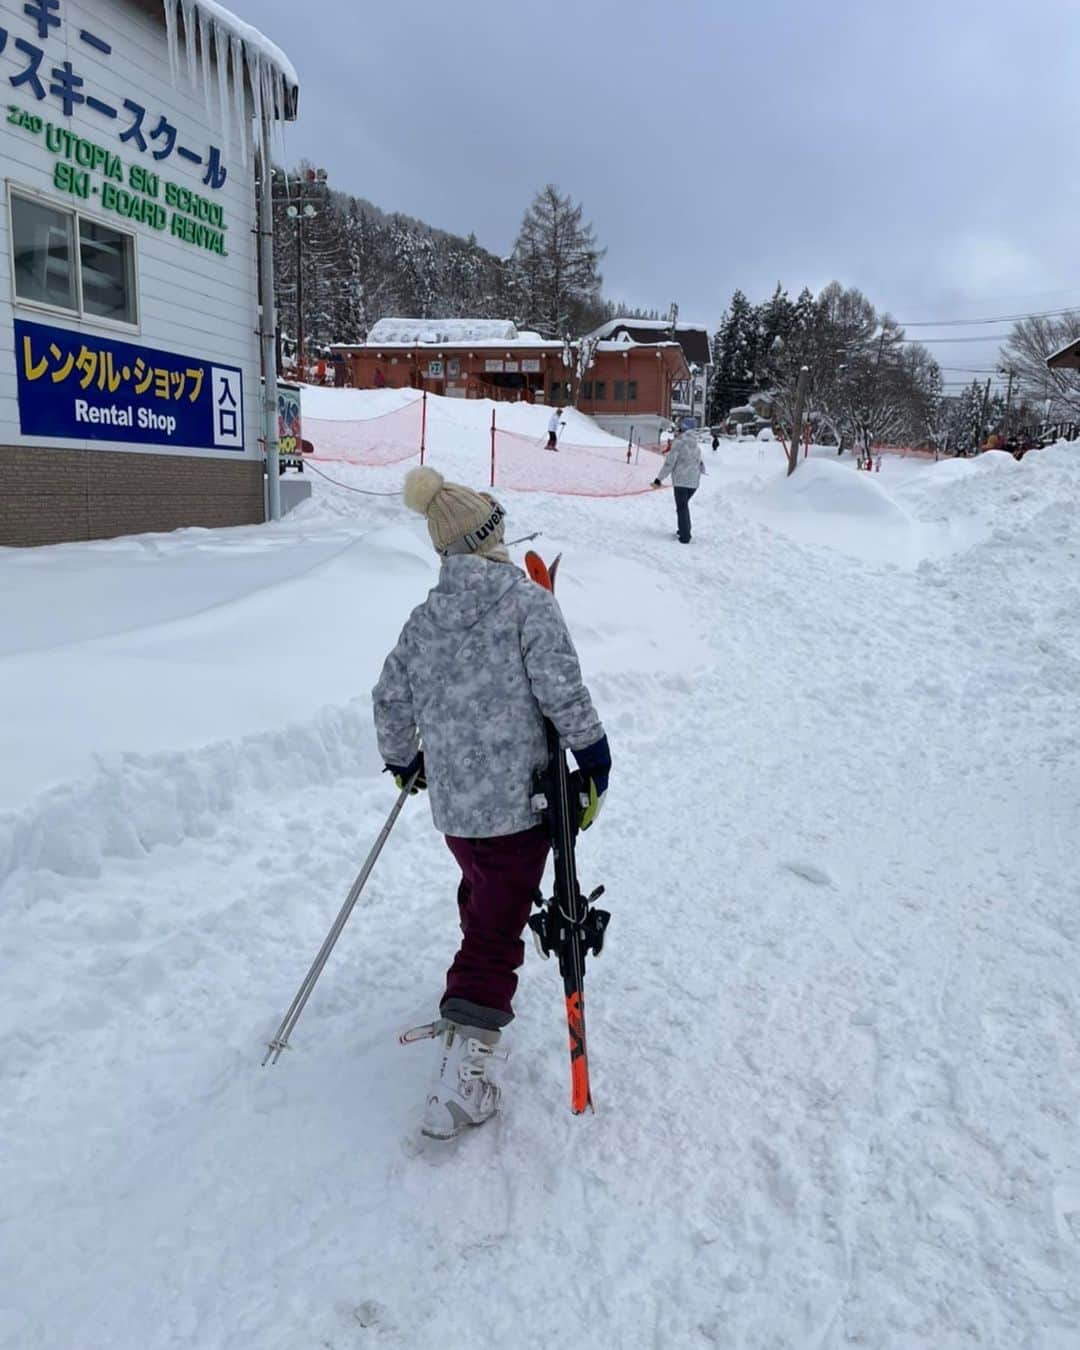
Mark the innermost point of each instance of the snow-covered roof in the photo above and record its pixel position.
(692, 338)
(657, 325)
(620, 344)
(393, 332)
(1067, 357)
(197, 27)
(522, 342)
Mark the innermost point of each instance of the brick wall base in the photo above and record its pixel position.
(56, 496)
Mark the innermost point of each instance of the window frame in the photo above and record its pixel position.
(600, 388)
(80, 313)
(631, 391)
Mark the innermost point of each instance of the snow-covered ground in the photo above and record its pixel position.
(836, 1034)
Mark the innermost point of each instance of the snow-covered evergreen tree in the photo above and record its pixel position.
(738, 348)
(556, 263)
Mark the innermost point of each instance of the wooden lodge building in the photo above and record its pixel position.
(490, 358)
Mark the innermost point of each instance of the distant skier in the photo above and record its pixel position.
(554, 423)
(461, 701)
(683, 463)
(715, 441)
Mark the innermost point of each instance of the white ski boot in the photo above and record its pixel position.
(461, 1093)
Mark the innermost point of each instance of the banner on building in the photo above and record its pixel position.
(290, 442)
(77, 386)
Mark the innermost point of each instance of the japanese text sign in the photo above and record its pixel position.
(76, 386)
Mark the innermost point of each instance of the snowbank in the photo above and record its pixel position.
(852, 1115)
(820, 486)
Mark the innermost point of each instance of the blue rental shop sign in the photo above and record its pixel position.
(76, 386)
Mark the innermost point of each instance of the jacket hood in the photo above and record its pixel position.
(469, 587)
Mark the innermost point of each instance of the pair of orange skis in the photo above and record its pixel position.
(566, 924)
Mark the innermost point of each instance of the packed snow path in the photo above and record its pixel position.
(835, 1037)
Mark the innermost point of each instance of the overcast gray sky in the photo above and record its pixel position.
(928, 153)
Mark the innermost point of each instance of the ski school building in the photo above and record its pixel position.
(131, 359)
(622, 380)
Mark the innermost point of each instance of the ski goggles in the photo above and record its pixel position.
(471, 542)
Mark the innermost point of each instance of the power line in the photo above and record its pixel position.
(986, 337)
(1000, 318)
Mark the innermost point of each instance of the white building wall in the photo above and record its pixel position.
(191, 302)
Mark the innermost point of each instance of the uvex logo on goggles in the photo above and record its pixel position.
(470, 542)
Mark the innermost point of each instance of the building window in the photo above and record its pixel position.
(107, 271)
(631, 390)
(43, 242)
(71, 262)
(586, 390)
(556, 389)
(601, 390)
(620, 391)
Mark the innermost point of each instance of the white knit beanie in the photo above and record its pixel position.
(459, 520)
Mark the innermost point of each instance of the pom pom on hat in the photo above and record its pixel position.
(421, 485)
(454, 512)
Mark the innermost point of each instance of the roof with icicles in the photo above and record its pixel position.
(203, 34)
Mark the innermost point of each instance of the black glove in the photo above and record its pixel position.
(656, 482)
(594, 769)
(402, 775)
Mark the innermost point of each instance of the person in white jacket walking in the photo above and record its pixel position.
(683, 465)
(554, 425)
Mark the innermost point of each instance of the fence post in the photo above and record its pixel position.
(423, 424)
(493, 447)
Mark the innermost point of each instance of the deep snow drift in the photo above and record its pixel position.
(836, 1034)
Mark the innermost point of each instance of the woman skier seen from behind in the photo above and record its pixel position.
(683, 463)
(461, 702)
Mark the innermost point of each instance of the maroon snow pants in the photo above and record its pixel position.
(500, 879)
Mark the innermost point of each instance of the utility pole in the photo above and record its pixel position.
(303, 209)
(796, 429)
(1008, 408)
(985, 419)
(300, 294)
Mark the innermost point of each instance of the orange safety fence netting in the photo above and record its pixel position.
(520, 462)
(923, 451)
(572, 470)
(389, 439)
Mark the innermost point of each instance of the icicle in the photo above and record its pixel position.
(282, 109)
(221, 63)
(187, 8)
(205, 30)
(242, 121)
(255, 71)
(266, 75)
(173, 39)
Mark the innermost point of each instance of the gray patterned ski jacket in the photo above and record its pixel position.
(683, 461)
(477, 668)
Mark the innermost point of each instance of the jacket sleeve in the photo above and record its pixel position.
(669, 463)
(551, 664)
(395, 720)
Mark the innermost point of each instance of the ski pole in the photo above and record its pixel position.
(281, 1039)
